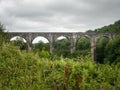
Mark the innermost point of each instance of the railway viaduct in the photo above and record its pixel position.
(71, 36)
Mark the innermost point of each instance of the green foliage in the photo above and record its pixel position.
(40, 45)
(17, 69)
(113, 50)
(26, 71)
(90, 30)
(83, 43)
(21, 70)
(1, 28)
(110, 28)
(62, 47)
(3, 35)
(100, 49)
(20, 43)
(82, 47)
(44, 53)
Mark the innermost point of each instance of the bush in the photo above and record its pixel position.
(21, 70)
(113, 50)
(44, 53)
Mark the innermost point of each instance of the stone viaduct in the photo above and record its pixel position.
(71, 36)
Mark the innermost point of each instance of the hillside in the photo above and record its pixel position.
(110, 28)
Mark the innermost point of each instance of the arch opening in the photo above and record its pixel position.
(83, 46)
(41, 43)
(61, 37)
(62, 46)
(40, 38)
(100, 48)
(19, 42)
(17, 37)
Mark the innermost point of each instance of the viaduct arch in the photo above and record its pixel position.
(72, 36)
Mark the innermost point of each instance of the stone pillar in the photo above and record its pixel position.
(29, 41)
(51, 47)
(29, 46)
(111, 37)
(51, 40)
(73, 42)
(93, 48)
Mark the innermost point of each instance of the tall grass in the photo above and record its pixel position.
(21, 70)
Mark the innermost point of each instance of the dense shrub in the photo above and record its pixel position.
(27, 71)
(3, 35)
(44, 53)
(113, 50)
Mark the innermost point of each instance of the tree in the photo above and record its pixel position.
(62, 47)
(3, 35)
(44, 53)
(113, 50)
(82, 46)
(110, 28)
(83, 43)
(40, 45)
(89, 30)
(100, 49)
(20, 43)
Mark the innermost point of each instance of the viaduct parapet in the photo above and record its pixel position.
(71, 36)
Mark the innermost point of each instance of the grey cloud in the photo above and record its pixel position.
(58, 15)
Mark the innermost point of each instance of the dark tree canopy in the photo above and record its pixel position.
(83, 43)
(100, 48)
(62, 47)
(113, 50)
(110, 28)
(41, 45)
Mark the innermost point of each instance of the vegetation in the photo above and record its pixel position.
(110, 28)
(38, 70)
(108, 51)
(19, 42)
(100, 49)
(112, 50)
(62, 47)
(26, 71)
(83, 46)
(3, 36)
(40, 45)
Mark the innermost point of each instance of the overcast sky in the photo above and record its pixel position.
(58, 15)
